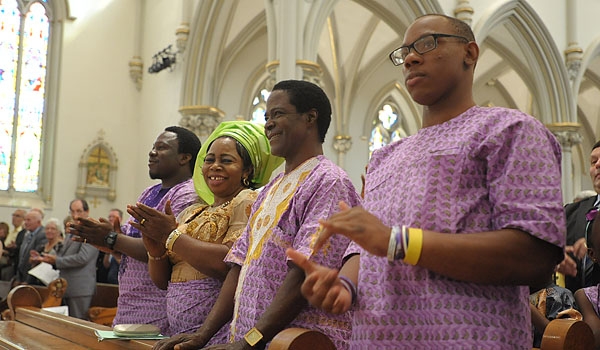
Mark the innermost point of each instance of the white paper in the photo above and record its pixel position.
(44, 272)
(63, 310)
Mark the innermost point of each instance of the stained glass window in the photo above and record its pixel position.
(387, 127)
(24, 33)
(259, 105)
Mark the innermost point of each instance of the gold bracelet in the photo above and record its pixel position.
(162, 257)
(171, 239)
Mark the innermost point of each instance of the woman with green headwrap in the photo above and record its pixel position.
(185, 256)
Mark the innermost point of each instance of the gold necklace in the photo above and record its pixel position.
(222, 205)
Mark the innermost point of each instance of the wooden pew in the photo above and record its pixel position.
(560, 334)
(567, 334)
(15, 335)
(300, 339)
(25, 306)
(51, 296)
(103, 308)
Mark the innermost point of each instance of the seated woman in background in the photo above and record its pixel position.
(588, 299)
(185, 256)
(54, 235)
(4, 256)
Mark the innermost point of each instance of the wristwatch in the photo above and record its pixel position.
(253, 337)
(111, 239)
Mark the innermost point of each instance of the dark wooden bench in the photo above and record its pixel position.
(104, 304)
(560, 334)
(25, 306)
(15, 335)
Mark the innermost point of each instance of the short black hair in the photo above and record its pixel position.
(596, 145)
(305, 96)
(188, 143)
(460, 27)
(84, 203)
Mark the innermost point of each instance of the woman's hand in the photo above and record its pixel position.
(153, 224)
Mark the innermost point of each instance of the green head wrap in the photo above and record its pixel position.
(252, 137)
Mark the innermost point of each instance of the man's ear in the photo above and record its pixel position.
(312, 115)
(471, 54)
(184, 158)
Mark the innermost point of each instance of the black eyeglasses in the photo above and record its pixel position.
(277, 114)
(422, 45)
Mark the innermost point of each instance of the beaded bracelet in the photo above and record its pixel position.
(349, 285)
(171, 239)
(159, 258)
(414, 246)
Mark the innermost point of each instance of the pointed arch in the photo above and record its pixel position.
(397, 93)
(547, 72)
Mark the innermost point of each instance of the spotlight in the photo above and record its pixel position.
(161, 60)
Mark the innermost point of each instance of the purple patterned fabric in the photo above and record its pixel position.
(592, 294)
(190, 302)
(140, 301)
(487, 169)
(316, 196)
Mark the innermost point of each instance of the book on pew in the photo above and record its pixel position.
(104, 335)
(44, 272)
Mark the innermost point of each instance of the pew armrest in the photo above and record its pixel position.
(567, 334)
(300, 338)
(23, 295)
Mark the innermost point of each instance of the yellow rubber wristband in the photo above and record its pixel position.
(415, 245)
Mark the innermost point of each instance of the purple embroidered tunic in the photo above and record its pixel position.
(140, 301)
(286, 214)
(487, 169)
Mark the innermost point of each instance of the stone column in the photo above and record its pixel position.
(202, 120)
(136, 65)
(183, 31)
(311, 71)
(464, 11)
(574, 52)
(342, 144)
(568, 136)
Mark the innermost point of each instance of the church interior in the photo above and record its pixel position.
(116, 73)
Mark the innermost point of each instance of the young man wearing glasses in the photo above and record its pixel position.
(457, 220)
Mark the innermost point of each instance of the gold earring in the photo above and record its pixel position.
(246, 182)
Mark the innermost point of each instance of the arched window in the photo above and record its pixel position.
(387, 127)
(24, 38)
(259, 105)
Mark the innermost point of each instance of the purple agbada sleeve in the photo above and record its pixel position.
(140, 301)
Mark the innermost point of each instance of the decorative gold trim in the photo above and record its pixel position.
(573, 50)
(564, 126)
(201, 109)
(271, 64)
(308, 63)
(463, 9)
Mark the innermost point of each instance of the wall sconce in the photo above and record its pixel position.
(161, 60)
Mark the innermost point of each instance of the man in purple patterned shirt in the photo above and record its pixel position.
(458, 219)
(171, 160)
(262, 282)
